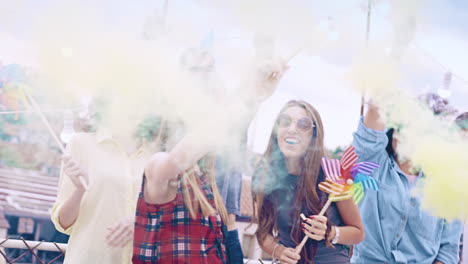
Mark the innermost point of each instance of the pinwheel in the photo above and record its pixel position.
(345, 179)
(355, 177)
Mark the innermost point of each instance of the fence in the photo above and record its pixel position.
(22, 251)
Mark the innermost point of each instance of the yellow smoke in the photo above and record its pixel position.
(428, 141)
(78, 56)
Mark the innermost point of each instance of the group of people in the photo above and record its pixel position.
(177, 203)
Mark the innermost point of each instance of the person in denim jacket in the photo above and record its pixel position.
(397, 229)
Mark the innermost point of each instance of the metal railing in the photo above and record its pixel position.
(27, 251)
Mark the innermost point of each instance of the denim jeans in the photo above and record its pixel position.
(233, 248)
(229, 181)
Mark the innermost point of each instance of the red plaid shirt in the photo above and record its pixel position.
(165, 233)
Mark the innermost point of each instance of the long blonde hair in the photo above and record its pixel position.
(195, 198)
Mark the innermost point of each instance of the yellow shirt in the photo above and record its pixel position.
(114, 184)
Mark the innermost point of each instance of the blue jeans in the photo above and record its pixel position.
(233, 248)
(229, 181)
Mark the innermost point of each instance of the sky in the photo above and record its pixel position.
(439, 44)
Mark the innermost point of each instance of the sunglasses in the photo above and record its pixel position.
(304, 124)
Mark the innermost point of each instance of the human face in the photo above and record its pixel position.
(294, 132)
(403, 161)
(395, 143)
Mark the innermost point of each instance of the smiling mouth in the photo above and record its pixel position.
(292, 141)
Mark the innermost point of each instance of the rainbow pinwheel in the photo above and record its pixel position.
(344, 180)
(355, 177)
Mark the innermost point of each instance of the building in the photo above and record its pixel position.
(251, 249)
(27, 198)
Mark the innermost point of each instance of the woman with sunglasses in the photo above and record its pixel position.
(286, 184)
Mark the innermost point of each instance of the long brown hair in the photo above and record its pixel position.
(268, 177)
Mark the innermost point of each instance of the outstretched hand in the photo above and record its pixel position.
(267, 75)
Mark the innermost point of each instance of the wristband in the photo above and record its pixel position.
(337, 236)
(274, 249)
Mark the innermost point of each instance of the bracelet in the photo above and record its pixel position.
(274, 249)
(337, 235)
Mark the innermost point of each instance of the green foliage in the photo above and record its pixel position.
(336, 153)
(10, 158)
(12, 120)
(148, 129)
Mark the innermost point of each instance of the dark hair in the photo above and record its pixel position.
(390, 150)
(462, 121)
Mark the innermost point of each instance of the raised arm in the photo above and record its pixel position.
(257, 88)
(261, 83)
(164, 167)
(70, 191)
(370, 139)
(372, 119)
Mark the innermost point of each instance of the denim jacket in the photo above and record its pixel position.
(397, 229)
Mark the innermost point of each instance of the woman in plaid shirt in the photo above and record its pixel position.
(180, 215)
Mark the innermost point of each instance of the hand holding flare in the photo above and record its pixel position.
(52, 133)
(344, 180)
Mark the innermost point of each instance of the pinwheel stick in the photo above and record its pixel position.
(304, 240)
(50, 129)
